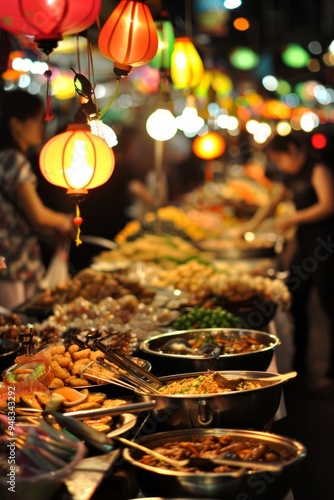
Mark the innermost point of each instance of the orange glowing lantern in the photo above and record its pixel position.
(78, 161)
(209, 146)
(187, 68)
(129, 36)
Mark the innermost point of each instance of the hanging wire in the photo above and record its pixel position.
(109, 103)
(78, 53)
(188, 19)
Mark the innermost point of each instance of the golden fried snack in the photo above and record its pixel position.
(84, 406)
(56, 383)
(96, 354)
(54, 350)
(99, 427)
(58, 371)
(42, 398)
(105, 419)
(85, 353)
(96, 397)
(76, 382)
(63, 361)
(111, 403)
(73, 348)
(31, 401)
(78, 366)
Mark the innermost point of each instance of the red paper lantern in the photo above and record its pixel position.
(129, 37)
(48, 21)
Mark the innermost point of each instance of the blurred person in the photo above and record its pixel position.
(148, 194)
(23, 216)
(311, 183)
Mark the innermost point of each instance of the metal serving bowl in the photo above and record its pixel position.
(167, 364)
(251, 484)
(252, 408)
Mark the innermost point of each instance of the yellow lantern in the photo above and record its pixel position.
(187, 68)
(78, 161)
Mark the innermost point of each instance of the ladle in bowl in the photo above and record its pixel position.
(181, 346)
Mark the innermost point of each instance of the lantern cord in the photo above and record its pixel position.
(91, 71)
(48, 107)
(77, 221)
(78, 53)
(188, 19)
(107, 106)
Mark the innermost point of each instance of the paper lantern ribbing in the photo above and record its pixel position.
(129, 37)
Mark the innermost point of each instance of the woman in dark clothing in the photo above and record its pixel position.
(311, 183)
(312, 186)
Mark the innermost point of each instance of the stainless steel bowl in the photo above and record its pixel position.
(253, 485)
(168, 364)
(248, 409)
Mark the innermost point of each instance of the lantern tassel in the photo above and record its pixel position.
(48, 110)
(77, 220)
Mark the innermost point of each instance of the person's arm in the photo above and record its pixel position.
(323, 184)
(139, 190)
(278, 194)
(42, 219)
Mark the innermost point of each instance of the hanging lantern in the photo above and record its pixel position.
(163, 58)
(186, 67)
(209, 146)
(48, 21)
(12, 73)
(78, 161)
(161, 125)
(129, 36)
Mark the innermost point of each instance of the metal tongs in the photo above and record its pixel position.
(129, 374)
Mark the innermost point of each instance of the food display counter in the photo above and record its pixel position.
(86, 357)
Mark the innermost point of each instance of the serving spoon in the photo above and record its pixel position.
(204, 464)
(232, 383)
